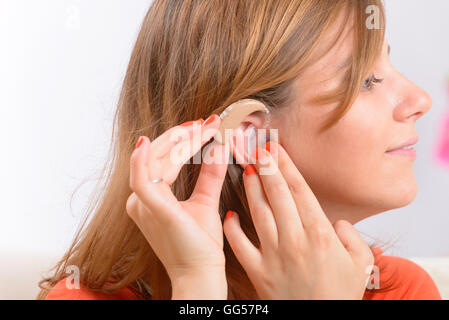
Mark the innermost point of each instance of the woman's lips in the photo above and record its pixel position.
(409, 152)
(405, 149)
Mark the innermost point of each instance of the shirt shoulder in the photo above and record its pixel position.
(63, 292)
(409, 281)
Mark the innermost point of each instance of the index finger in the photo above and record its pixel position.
(279, 197)
(309, 208)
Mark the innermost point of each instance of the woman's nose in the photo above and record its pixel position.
(415, 103)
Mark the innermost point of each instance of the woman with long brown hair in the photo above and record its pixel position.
(343, 116)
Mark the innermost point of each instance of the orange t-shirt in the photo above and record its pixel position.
(410, 280)
(61, 292)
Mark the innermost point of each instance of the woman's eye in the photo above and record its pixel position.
(371, 81)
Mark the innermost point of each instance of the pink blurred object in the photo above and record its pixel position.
(442, 150)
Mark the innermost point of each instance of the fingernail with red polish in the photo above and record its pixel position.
(250, 169)
(258, 152)
(229, 214)
(139, 142)
(210, 119)
(267, 146)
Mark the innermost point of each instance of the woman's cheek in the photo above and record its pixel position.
(355, 150)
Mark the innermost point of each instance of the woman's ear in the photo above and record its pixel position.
(249, 135)
(243, 128)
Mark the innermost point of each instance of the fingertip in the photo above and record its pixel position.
(137, 161)
(212, 119)
(140, 142)
(257, 153)
(210, 127)
(140, 145)
(229, 214)
(267, 146)
(264, 162)
(250, 170)
(259, 157)
(271, 147)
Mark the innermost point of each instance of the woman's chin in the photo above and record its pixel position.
(395, 196)
(404, 193)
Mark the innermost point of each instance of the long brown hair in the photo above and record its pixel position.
(192, 58)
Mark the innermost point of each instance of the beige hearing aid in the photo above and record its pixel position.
(234, 114)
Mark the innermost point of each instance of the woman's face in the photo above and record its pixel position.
(347, 166)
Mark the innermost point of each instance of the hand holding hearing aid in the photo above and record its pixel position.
(187, 236)
(301, 255)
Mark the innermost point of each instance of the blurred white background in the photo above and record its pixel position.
(62, 63)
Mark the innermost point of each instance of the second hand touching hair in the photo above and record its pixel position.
(165, 240)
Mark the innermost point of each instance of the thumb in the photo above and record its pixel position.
(213, 171)
(357, 248)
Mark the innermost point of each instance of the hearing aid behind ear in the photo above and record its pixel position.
(234, 114)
